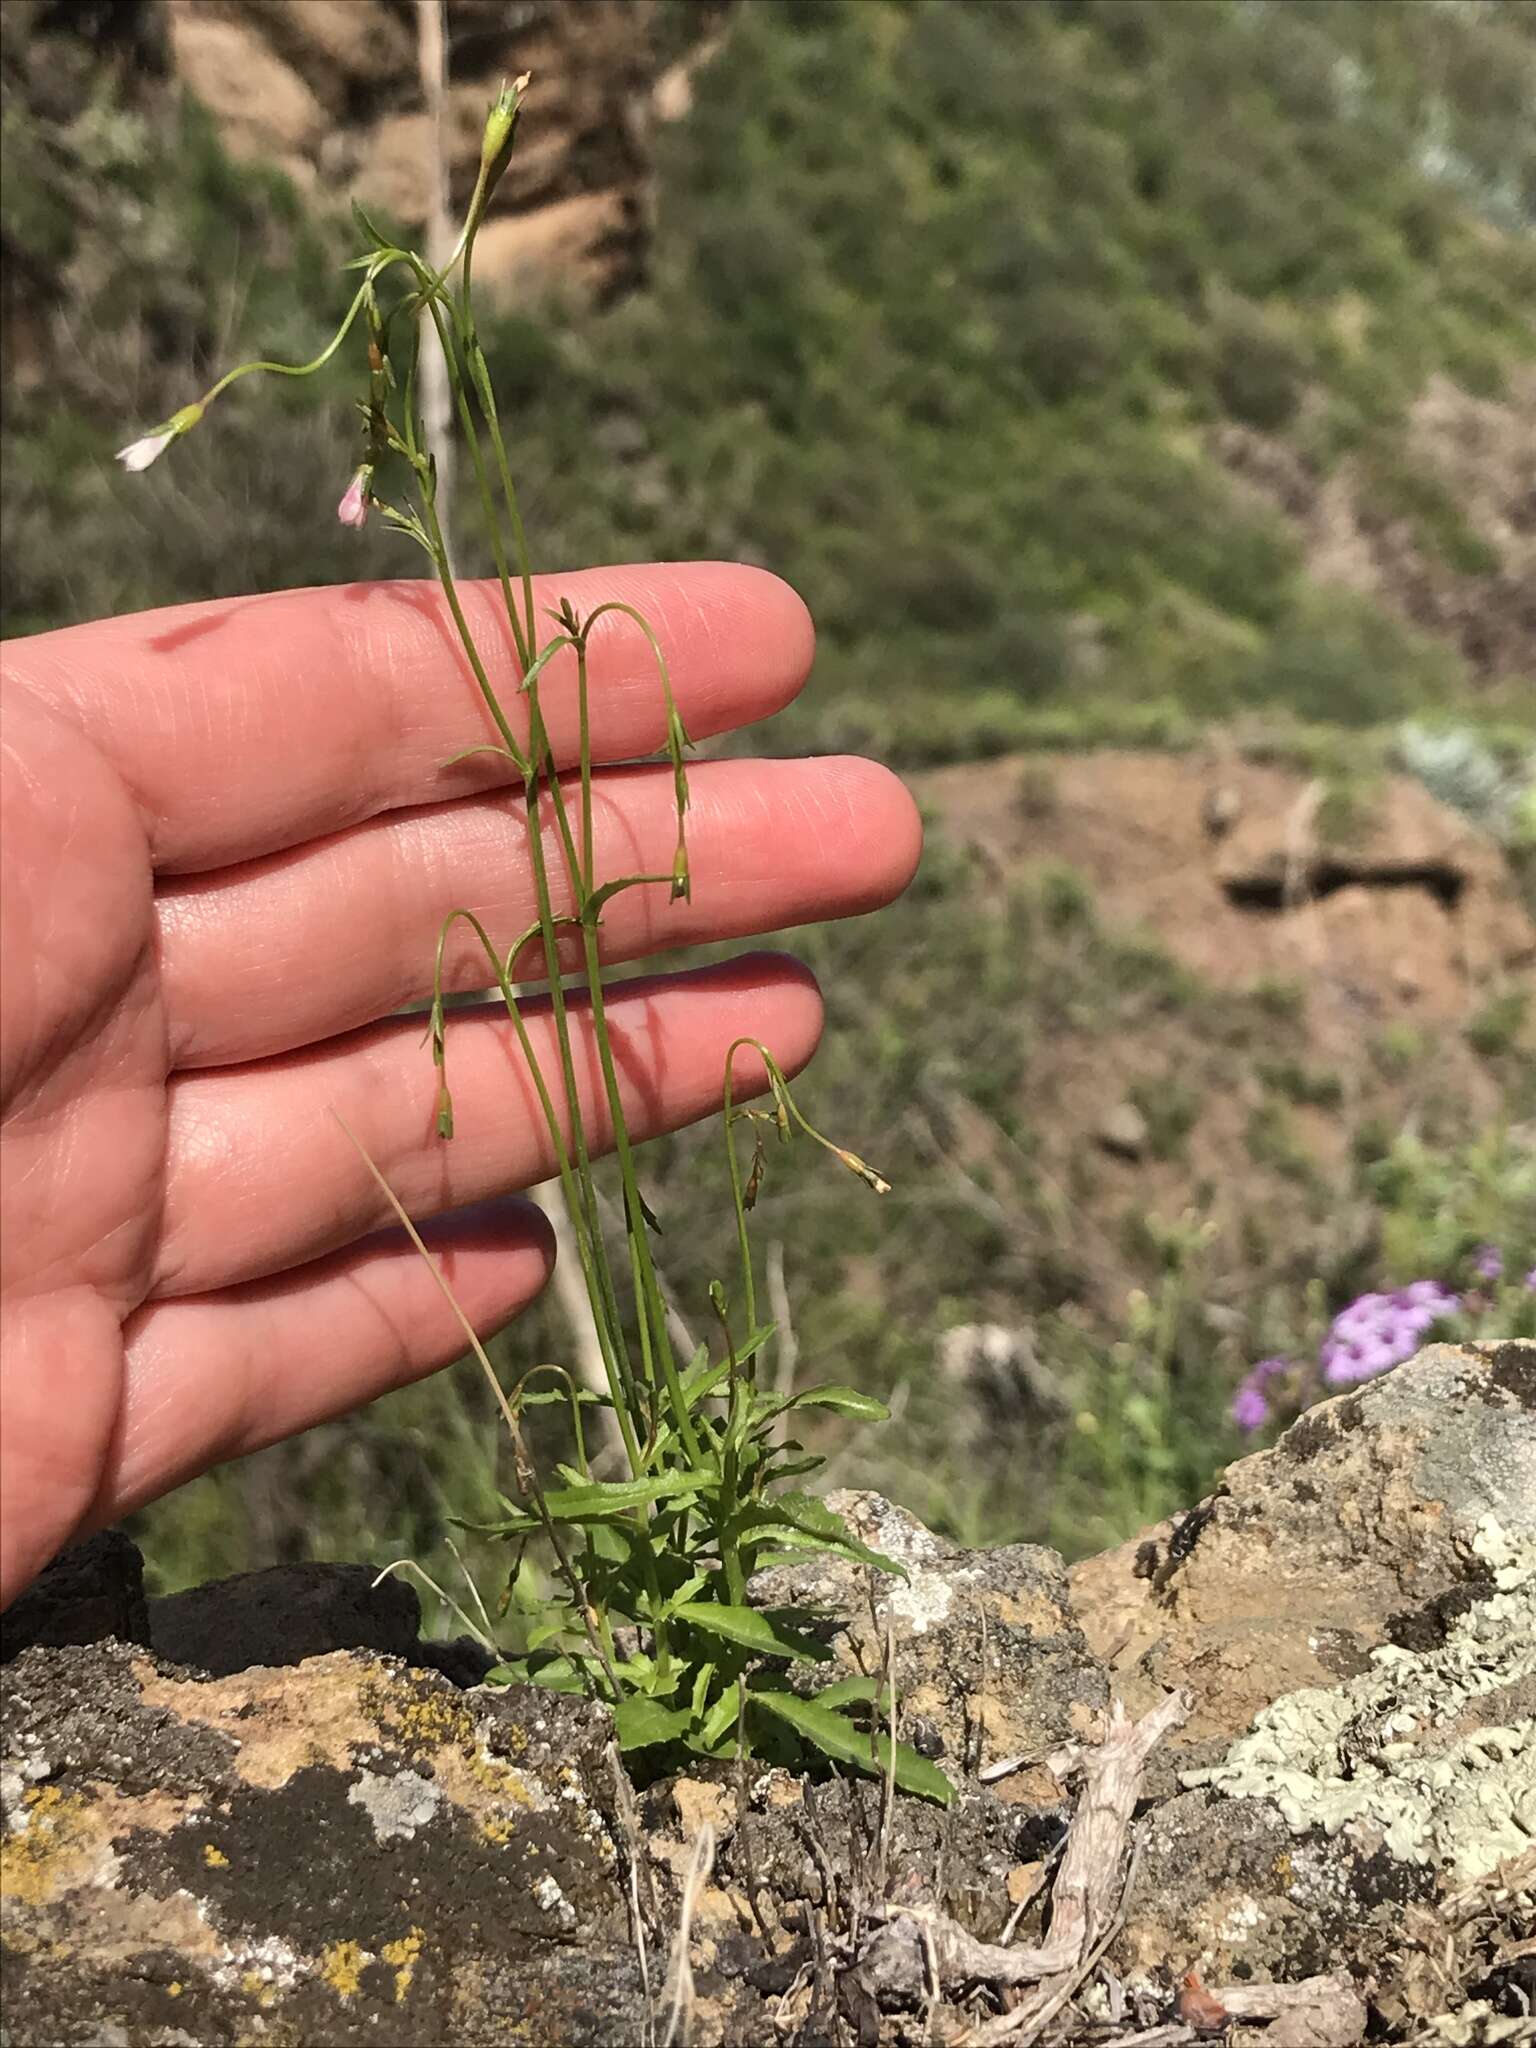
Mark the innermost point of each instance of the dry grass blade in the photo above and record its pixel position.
(680, 2012)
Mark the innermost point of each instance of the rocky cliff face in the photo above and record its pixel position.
(1268, 1774)
(332, 92)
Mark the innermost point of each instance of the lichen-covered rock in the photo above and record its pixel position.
(1355, 1613)
(1372, 1522)
(343, 1851)
(347, 1849)
(991, 1663)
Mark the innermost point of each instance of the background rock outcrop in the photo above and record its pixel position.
(331, 90)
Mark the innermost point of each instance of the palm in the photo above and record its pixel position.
(83, 1080)
(229, 842)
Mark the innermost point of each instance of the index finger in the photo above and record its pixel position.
(249, 724)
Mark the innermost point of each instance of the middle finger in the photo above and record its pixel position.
(300, 946)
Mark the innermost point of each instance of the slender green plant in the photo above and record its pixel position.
(651, 1611)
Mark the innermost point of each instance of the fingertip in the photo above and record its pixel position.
(516, 1227)
(790, 1012)
(784, 630)
(890, 829)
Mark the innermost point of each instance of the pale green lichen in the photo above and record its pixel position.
(1400, 1755)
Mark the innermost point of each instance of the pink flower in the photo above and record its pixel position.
(1250, 1410)
(147, 449)
(353, 509)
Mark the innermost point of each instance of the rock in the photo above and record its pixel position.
(331, 91)
(1123, 1131)
(571, 240)
(1335, 1847)
(1374, 1522)
(342, 1852)
(1355, 1614)
(262, 105)
(990, 1661)
(1220, 809)
(283, 1615)
(91, 1591)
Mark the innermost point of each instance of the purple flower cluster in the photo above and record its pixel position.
(1373, 1334)
(1379, 1331)
(1250, 1404)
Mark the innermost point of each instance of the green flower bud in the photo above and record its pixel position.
(500, 128)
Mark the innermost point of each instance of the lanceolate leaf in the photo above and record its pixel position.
(836, 1737)
(792, 1516)
(593, 1502)
(842, 1401)
(766, 1633)
(639, 1722)
(580, 1503)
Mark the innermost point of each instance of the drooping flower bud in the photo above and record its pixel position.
(138, 455)
(353, 509)
(500, 128)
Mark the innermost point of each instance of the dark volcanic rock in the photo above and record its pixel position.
(91, 1591)
(283, 1615)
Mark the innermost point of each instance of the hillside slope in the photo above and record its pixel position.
(1095, 368)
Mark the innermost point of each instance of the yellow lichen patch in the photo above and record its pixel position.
(65, 1840)
(428, 1721)
(214, 1856)
(401, 1956)
(254, 1985)
(175, 1988)
(342, 1965)
(59, 1846)
(484, 1787)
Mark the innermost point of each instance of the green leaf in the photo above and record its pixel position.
(690, 1589)
(545, 1632)
(640, 1722)
(842, 1401)
(583, 1503)
(797, 1516)
(555, 1674)
(515, 1525)
(605, 892)
(721, 1718)
(703, 1679)
(754, 1629)
(836, 1737)
(374, 235)
(848, 1692)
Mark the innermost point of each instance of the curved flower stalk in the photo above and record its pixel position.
(652, 1568)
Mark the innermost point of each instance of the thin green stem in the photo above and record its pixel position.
(272, 369)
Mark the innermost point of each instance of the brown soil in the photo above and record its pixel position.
(1384, 930)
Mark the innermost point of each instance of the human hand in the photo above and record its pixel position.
(229, 841)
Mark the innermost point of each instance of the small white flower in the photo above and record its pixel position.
(149, 448)
(353, 509)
